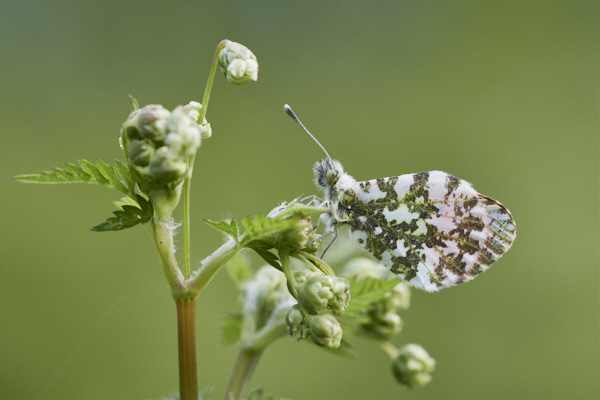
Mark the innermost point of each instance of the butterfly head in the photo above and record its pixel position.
(328, 173)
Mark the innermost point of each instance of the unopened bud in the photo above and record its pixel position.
(326, 331)
(151, 121)
(297, 323)
(165, 168)
(238, 63)
(140, 152)
(193, 110)
(413, 366)
(322, 292)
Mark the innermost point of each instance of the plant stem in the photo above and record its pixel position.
(210, 266)
(211, 78)
(187, 265)
(186, 337)
(244, 366)
(163, 237)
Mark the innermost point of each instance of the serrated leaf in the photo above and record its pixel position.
(231, 327)
(125, 174)
(229, 228)
(366, 291)
(110, 172)
(261, 227)
(86, 172)
(128, 217)
(77, 171)
(94, 171)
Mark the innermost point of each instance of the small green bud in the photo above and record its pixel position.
(301, 235)
(385, 324)
(413, 366)
(341, 295)
(129, 127)
(384, 315)
(297, 323)
(151, 121)
(140, 152)
(238, 63)
(183, 135)
(321, 292)
(326, 331)
(193, 110)
(165, 167)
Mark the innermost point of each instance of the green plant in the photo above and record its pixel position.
(295, 293)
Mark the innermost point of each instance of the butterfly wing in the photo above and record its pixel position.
(431, 228)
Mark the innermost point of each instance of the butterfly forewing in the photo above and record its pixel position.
(430, 228)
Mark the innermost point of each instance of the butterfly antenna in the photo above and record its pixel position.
(292, 114)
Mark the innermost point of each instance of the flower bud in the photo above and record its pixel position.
(300, 235)
(165, 168)
(413, 366)
(238, 63)
(183, 135)
(140, 152)
(387, 325)
(321, 292)
(326, 331)
(193, 110)
(297, 323)
(151, 121)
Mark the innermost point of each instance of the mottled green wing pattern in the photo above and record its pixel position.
(431, 228)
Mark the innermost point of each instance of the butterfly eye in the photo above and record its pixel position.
(332, 176)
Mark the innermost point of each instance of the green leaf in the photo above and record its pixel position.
(262, 249)
(366, 291)
(128, 216)
(110, 172)
(229, 228)
(102, 173)
(231, 327)
(261, 227)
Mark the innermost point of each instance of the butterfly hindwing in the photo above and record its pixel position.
(430, 228)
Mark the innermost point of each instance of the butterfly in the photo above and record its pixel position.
(431, 229)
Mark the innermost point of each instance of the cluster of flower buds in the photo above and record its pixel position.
(159, 143)
(318, 295)
(324, 329)
(384, 315)
(238, 63)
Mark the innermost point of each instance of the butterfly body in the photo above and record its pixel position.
(432, 229)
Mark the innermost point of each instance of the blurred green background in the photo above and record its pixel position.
(503, 94)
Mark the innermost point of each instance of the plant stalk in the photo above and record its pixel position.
(187, 268)
(186, 337)
(242, 371)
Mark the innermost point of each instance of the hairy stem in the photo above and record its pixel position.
(210, 266)
(163, 237)
(242, 371)
(186, 338)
